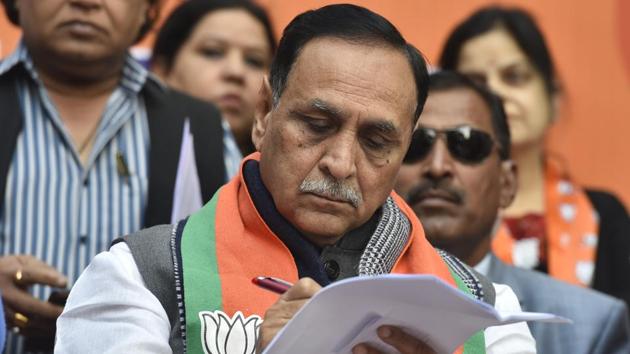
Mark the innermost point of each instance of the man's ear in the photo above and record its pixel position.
(509, 183)
(262, 114)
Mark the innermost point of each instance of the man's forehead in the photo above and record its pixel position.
(456, 107)
(354, 77)
(331, 110)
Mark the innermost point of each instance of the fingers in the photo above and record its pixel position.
(397, 338)
(29, 315)
(22, 302)
(34, 271)
(30, 326)
(304, 288)
(285, 308)
(292, 300)
(365, 349)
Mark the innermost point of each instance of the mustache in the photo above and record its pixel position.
(332, 189)
(419, 192)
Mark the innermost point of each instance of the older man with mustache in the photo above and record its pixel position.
(314, 205)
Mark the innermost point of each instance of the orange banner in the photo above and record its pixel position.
(590, 41)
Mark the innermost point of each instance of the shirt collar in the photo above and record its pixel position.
(19, 56)
(484, 265)
(134, 75)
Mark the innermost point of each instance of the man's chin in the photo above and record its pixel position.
(321, 240)
(77, 52)
(440, 231)
(440, 213)
(321, 229)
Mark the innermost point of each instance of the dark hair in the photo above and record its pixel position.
(351, 23)
(152, 15)
(519, 24)
(182, 21)
(449, 80)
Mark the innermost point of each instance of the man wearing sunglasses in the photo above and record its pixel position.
(457, 175)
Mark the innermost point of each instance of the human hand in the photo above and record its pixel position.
(31, 316)
(284, 309)
(398, 339)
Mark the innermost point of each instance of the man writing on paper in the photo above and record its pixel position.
(314, 205)
(456, 176)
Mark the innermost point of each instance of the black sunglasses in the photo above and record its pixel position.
(464, 143)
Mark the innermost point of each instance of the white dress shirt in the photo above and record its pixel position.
(484, 265)
(111, 311)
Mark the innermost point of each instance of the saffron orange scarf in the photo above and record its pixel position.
(227, 243)
(571, 225)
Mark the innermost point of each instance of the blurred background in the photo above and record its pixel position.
(589, 40)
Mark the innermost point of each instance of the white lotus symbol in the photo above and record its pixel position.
(221, 334)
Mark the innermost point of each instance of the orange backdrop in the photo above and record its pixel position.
(590, 41)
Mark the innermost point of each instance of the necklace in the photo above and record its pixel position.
(86, 142)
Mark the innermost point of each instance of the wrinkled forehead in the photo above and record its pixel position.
(364, 76)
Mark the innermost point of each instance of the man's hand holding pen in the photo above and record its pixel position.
(284, 309)
(295, 296)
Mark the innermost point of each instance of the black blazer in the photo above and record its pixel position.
(167, 110)
(612, 264)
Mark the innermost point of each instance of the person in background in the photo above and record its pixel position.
(314, 205)
(89, 149)
(555, 225)
(456, 176)
(218, 51)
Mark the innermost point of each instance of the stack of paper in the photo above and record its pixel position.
(348, 312)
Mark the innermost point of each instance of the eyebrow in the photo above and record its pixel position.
(384, 127)
(323, 107)
(326, 109)
(518, 63)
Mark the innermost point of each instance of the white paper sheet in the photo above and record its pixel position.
(348, 312)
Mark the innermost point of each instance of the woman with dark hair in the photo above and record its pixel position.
(218, 51)
(575, 234)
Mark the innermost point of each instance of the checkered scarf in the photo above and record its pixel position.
(387, 242)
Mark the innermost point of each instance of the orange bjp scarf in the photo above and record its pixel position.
(571, 225)
(227, 243)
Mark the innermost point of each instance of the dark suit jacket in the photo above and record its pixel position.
(600, 322)
(612, 265)
(167, 110)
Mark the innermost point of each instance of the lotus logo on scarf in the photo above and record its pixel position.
(221, 334)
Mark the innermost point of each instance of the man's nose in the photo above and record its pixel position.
(339, 160)
(439, 161)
